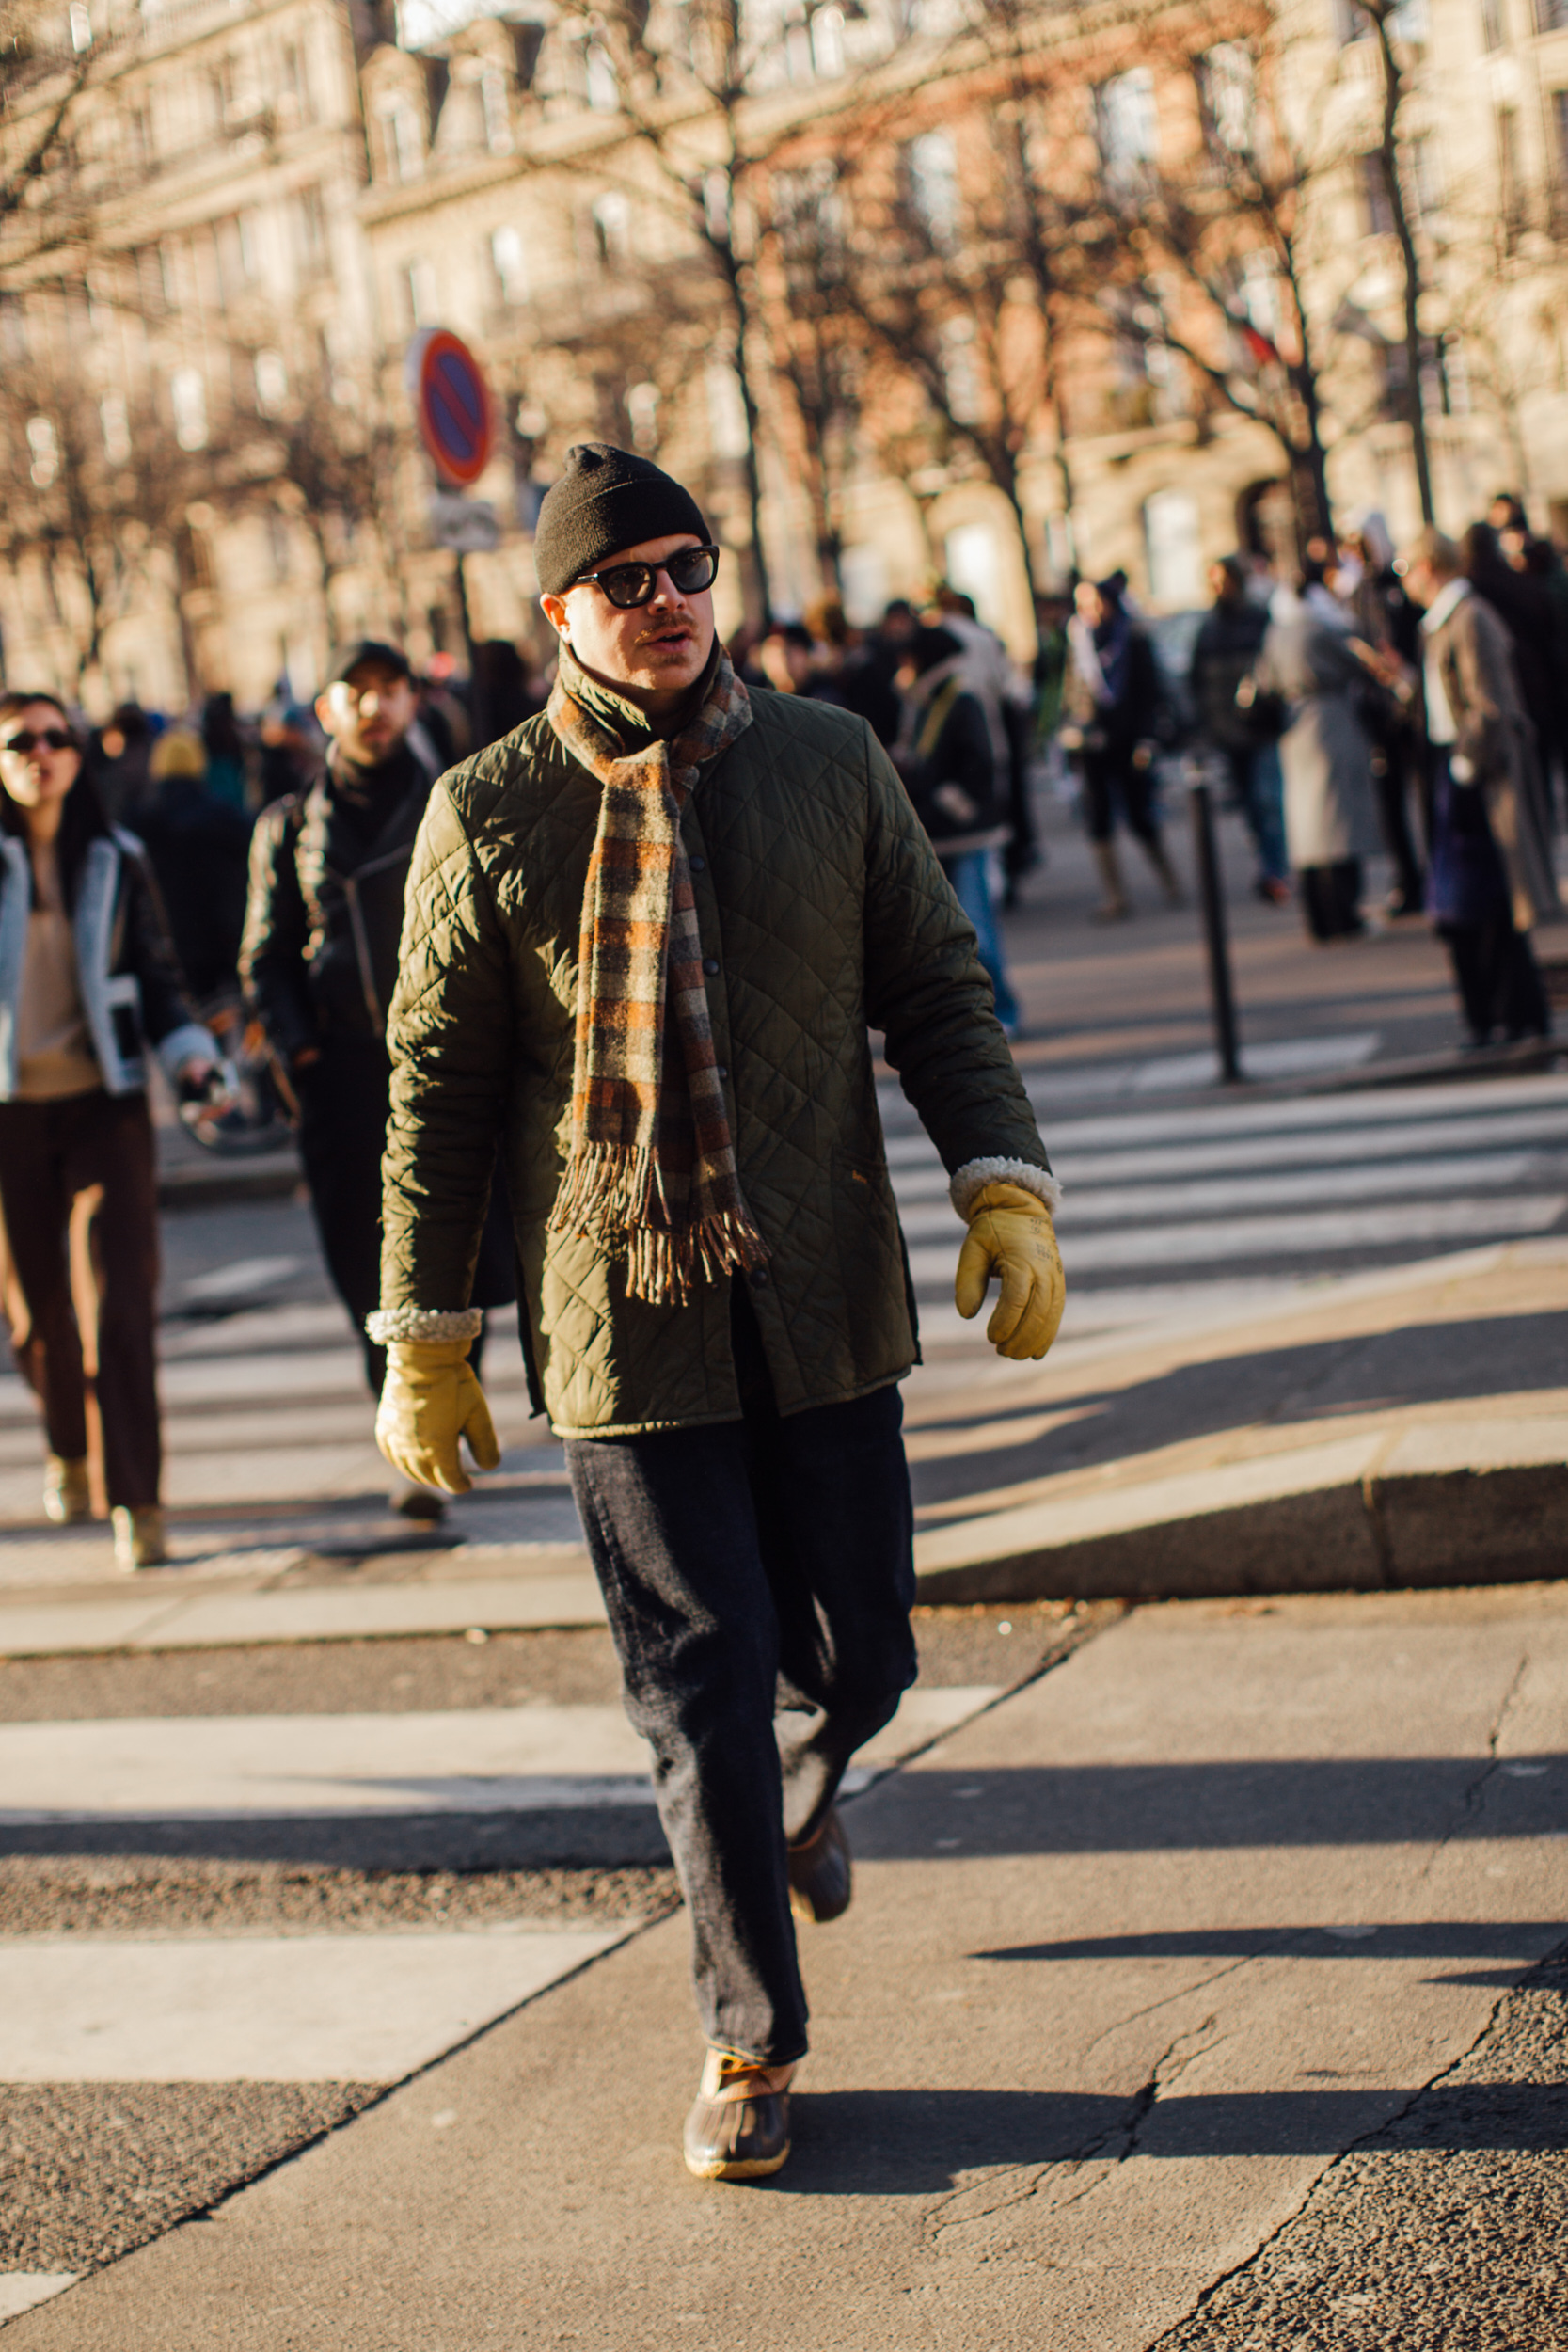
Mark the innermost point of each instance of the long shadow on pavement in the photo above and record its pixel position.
(924, 1814)
(1379, 1371)
(915, 2143)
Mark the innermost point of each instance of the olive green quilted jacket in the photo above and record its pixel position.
(826, 911)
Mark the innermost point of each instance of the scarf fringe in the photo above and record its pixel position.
(611, 1193)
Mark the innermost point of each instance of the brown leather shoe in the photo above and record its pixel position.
(739, 2127)
(821, 1881)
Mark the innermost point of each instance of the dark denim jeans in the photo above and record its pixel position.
(750, 1567)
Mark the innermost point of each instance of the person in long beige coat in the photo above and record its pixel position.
(1490, 862)
(1325, 754)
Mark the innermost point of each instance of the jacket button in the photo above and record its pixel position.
(723, 1070)
(711, 965)
(696, 865)
(759, 1278)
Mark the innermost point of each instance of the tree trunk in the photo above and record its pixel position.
(1393, 94)
(740, 305)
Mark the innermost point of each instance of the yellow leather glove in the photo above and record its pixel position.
(1010, 1235)
(431, 1398)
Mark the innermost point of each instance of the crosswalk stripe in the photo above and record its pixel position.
(1312, 1114)
(500, 1759)
(348, 2008)
(1305, 1236)
(1076, 1168)
(1111, 1203)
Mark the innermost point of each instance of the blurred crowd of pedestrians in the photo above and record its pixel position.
(245, 875)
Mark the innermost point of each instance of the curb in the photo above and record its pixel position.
(1365, 1514)
(212, 1182)
(1329, 1525)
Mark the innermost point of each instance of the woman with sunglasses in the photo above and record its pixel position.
(88, 978)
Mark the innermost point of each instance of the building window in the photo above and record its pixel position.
(1508, 164)
(726, 411)
(827, 43)
(1173, 543)
(1127, 126)
(1559, 133)
(599, 76)
(612, 217)
(642, 414)
(1551, 16)
(931, 178)
(497, 113)
(272, 382)
(1491, 24)
(310, 220)
(1228, 87)
(420, 292)
(115, 419)
(278, 547)
(510, 264)
(187, 391)
(44, 450)
(959, 374)
(1424, 172)
(402, 143)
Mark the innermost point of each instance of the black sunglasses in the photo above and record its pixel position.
(628, 585)
(55, 739)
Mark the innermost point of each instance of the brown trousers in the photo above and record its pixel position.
(79, 1199)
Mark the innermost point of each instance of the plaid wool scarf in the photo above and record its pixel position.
(652, 1163)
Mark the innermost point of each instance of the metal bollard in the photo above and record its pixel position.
(1213, 893)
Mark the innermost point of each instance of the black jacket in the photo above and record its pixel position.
(197, 845)
(324, 914)
(1229, 643)
(945, 758)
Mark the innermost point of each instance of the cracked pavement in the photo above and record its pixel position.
(1199, 1995)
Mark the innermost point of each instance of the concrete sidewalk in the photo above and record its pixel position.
(1137, 1956)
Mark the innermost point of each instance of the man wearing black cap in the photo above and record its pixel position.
(648, 933)
(320, 959)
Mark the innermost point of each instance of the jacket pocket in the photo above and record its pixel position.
(873, 1278)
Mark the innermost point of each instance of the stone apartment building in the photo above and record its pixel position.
(315, 189)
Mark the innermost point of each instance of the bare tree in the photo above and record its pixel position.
(685, 86)
(53, 57)
(94, 488)
(1383, 18)
(1211, 253)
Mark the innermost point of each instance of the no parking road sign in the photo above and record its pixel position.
(452, 406)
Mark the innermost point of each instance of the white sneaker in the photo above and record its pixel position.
(66, 1498)
(140, 1539)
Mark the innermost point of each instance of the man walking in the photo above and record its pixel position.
(1246, 738)
(648, 934)
(1490, 870)
(319, 958)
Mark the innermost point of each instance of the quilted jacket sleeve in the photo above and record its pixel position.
(450, 1035)
(925, 987)
(276, 931)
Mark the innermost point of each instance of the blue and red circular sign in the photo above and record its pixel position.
(452, 406)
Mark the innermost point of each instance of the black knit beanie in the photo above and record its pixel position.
(606, 500)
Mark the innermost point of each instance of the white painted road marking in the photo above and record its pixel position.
(222, 2009)
(21, 2290)
(499, 1759)
(1309, 1236)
